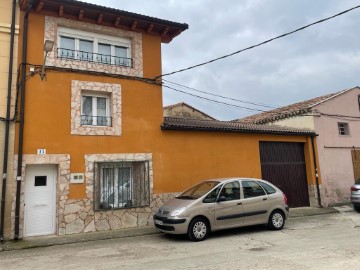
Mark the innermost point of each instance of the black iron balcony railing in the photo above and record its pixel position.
(94, 57)
(90, 120)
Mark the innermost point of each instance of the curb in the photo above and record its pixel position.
(47, 241)
(35, 242)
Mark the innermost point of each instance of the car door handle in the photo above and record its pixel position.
(264, 199)
(239, 203)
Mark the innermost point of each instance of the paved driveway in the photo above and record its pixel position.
(329, 241)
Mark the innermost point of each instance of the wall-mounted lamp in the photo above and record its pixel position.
(48, 46)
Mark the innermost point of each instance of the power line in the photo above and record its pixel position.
(215, 101)
(339, 116)
(259, 44)
(229, 98)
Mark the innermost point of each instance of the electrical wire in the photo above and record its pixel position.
(339, 116)
(229, 98)
(215, 101)
(259, 44)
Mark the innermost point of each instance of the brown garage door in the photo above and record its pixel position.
(283, 164)
(356, 163)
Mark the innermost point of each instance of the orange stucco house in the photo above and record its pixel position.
(93, 151)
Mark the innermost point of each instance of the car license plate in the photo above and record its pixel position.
(158, 222)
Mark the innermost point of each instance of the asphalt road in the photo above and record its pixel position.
(329, 241)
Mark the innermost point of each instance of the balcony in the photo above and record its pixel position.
(90, 120)
(94, 57)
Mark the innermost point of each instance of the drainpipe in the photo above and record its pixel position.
(7, 121)
(21, 128)
(316, 172)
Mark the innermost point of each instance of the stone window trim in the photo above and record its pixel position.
(62, 185)
(51, 33)
(113, 90)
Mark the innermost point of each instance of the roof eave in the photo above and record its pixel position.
(244, 131)
(71, 9)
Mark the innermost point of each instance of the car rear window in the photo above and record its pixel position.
(269, 189)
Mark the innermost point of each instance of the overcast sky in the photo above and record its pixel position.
(319, 60)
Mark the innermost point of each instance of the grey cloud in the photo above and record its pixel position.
(313, 62)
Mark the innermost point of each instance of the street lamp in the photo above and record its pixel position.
(48, 46)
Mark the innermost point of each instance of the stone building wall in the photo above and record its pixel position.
(78, 216)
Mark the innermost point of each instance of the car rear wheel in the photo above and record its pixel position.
(357, 208)
(198, 229)
(276, 220)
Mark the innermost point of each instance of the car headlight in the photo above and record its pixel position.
(178, 211)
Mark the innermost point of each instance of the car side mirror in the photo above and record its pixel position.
(221, 199)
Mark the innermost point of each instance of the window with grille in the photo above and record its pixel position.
(93, 47)
(343, 128)
(95, 110)
(122, 184)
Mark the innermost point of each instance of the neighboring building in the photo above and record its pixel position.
(96, 153)
(8, 20)
(336, 119)
(184, 110)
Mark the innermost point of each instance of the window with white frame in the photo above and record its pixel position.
(123, 184)
(93, 47)
(343, 129)
(95, 110)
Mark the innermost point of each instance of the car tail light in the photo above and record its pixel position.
(285, 199)
(354, 189)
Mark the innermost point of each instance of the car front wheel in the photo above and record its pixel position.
(198, 229)
(276, 220)
(357, 207)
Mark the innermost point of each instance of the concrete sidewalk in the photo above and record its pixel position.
(44, 241)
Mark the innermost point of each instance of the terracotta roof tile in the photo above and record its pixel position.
(190, 124)
(289, 110)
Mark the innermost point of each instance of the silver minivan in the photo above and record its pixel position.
(221, 204)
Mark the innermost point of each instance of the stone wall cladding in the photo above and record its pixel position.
(114, 90)
(51, 26)
(80, 217)
(62, 184)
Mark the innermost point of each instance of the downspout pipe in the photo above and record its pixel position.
(316, 172)
(21, 127)
(7, 122)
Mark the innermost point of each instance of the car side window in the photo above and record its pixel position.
(211, 197)
(269, 189)
(252, 189)
(231, 191)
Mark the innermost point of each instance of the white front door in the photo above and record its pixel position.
(40, 200)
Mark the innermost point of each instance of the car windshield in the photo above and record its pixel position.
(198, 191)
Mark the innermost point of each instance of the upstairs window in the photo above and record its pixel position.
(95, 110)
(343, 129)
(92, 47)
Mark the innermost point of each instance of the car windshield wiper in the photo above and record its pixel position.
(185, 197)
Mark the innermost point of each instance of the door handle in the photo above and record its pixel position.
(239, 203)
(264, 199)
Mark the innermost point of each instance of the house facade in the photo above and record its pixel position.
(335, 118)
(93, 151)
(184, 110)
(9, 31)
